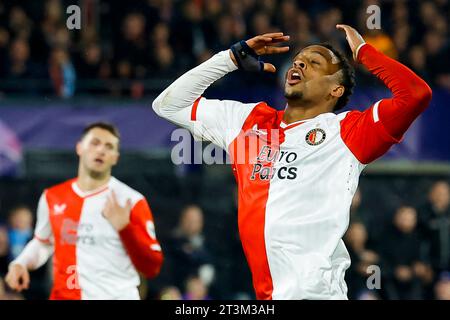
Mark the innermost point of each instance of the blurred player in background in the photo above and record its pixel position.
(295, 191)
(100, 230)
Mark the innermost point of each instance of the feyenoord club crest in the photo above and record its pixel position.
(315, 137)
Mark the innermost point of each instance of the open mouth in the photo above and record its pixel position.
(99, 161)
(294, 76)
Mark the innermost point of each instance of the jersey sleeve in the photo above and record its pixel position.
(181, 103)
(365, 135)
(43, 230)
(34, 255)
(140, 242)
(371, 133)
(218, 121)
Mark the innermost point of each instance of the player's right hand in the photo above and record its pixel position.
(353, 37)
(265, 44)
(17, 277)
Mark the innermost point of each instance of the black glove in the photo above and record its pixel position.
(246, 57)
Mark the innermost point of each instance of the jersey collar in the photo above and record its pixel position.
(86, 194)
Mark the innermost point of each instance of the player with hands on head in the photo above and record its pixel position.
(295, 191)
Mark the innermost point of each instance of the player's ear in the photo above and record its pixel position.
(78, 148)
(337, 91)
(117, 153)
(116, 158)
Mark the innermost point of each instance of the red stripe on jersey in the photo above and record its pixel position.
(293, 125)
(194, 109)
(64, 211)
(46, 241)
(96, 193)
(253, 195)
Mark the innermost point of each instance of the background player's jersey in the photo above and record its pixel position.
(295, 190)
(91, 259)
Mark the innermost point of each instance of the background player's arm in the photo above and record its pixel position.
(137, 232)
(35, 253)
(371, 133)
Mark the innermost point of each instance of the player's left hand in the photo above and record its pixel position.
(353, 37)
(118, 216)
(246, 54)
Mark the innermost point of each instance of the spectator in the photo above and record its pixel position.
(434, 223)
(20, 229)
(165, 60)
(170, 293)
(187, 251)
(404, 267)
(132, 51)
(370, 220)
(229, 30)
(4, 42)
(42, 38)
(163, 55)
(326, 25)
(437, 56)
(62, 73)
(361, 257)
(89, 65)
(417, 61)
(213, 8)
(357, 214)
(398, 47)
(400, 13)
(19, 65)
(196, 289)
(287, 16)
(442, 287)
(192, 30)
(20, 24)
(261, 23)
(428, 13)
(166, 10)
(60, 39)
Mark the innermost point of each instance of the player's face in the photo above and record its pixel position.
(314, 73)
(98, 150)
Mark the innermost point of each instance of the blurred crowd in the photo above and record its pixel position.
(126, 48)
(410, 248)
(131, 48)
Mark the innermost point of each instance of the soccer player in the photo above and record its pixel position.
(295, 191)
(100, 230)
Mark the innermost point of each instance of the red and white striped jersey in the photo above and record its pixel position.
(295, 190)
(297, 181)
(91, 259)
